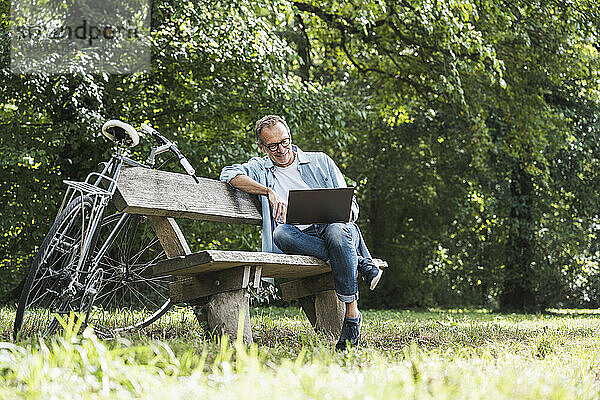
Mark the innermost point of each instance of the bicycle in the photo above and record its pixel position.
(93, 260)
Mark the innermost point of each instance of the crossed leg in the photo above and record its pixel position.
(335, 242)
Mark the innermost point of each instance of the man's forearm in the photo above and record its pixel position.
(249, 185)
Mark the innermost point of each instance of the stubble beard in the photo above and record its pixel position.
(291, 160)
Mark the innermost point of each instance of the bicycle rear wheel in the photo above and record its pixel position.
(129, 296)
(53, 284)
(117, 294)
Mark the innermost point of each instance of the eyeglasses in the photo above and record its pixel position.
(285, 143)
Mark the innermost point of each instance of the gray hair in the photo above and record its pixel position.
(267, 122)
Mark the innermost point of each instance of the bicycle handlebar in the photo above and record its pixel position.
(151, 131)
(182, 160)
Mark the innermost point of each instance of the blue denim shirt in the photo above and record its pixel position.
(318, 171)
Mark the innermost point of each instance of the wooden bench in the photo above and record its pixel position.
(218, 280)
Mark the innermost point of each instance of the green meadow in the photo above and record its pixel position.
(441, 354)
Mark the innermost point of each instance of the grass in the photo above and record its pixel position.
(446, 354)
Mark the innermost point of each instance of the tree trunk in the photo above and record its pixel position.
(517, 292)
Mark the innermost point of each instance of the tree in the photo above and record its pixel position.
(216, 67)
(477, 77)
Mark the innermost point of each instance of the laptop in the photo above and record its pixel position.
(319, 206)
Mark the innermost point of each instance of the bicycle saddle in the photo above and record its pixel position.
(121, 133)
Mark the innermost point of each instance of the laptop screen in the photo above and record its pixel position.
(319, 206)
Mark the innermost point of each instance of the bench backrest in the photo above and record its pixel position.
(168, 194)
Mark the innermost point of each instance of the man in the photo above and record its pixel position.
(286, 167)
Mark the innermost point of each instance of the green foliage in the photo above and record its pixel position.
(465, 117)
(469, 128)
(216, 67)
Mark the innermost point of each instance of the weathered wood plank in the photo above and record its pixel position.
(308, 306)
(330, 312)
(170, 236)
(273, 265)
(167, 194)
(325, 312)
(310, 285)
(306, 287)
(204, 285)
(224, 311)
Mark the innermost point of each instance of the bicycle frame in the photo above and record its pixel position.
(107, 177)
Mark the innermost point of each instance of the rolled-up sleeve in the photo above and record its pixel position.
(249, 169)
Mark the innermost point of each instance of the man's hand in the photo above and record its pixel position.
(278, 206)
(248, 185)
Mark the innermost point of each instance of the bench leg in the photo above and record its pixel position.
(223, 311)
(307, 304)
(325, 312)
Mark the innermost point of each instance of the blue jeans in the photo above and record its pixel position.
(338, 243)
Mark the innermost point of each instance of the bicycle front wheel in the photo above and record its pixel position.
(129, 296)
(52, 286)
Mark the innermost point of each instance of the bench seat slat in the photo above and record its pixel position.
(273, 265)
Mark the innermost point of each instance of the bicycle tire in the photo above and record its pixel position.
(52, 271)
(102, 312)
(130, 296)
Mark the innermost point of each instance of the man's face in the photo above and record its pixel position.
(281, 156)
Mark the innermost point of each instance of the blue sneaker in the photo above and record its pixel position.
(350, 333)
(369, 272)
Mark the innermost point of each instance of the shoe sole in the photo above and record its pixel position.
(375, 280)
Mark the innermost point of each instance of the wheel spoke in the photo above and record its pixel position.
(150, 263)
(154, 288)
(136, 292)
(50, 273)
(137, 256)
(126, 264)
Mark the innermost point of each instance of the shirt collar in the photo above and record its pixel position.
(302, 158)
